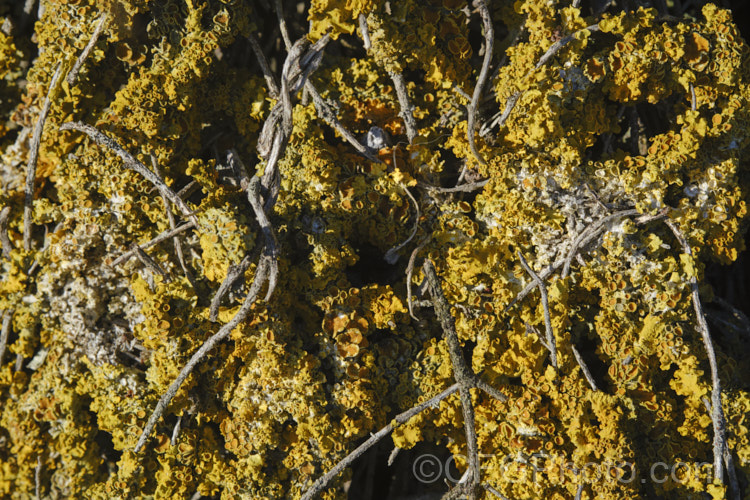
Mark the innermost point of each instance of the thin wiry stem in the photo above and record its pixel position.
(319, 485)
(150, 263)
(282, 24)
(38, 478)
(462, 188)
(554, 49)
(271, 246)
(585, 240)
(273, 87)
(364, 31)
(213, 341)
(461, 372)
(5, 332)
(130, 162)
(391, 256)
(327, 114)
(71, 78)
(409, 273)
(233, 274)
(176, 431)
(494, 491)
(584, 369)
(4, 240)
(720, 447)
(693, 101)
(173, 224)
(407, 109)
(163, 236)
(36, 140)
(589, 233)
(551, 345)
(489, 41)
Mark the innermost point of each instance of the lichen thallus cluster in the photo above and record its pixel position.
(593, 157)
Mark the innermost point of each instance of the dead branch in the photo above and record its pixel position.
(273, 87)
(461, 372)
(172, 224)
(130, 162)
(71, 78)
(489, 41)
(233, 274)
(391, 256)
(409, 273)
(150, 263)
(550, 344)
(407, 109)
(261, 274)
(4, 240)
(5, 332)
(163, 236)
(36, 140)
(401, 418)
(720, 447)
(584, 369)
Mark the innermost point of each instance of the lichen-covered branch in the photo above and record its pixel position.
(34, 156)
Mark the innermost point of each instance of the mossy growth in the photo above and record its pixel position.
(649, 111)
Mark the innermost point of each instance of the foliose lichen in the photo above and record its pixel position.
(648, 112)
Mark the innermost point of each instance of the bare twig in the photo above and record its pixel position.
(270, 249)
(132, 163)
(163, 236)
(407, 110)
(4, 240)
(260, 278)
(176, 431)
(720, 447)
(693, 102)
(401, 418)
(172, 224)
(33, 157)
(409, 273)
(233, 274)
(551, 345)
(150, 263)
(489, 41)
(391, 256)
(282, 24)
(554, 49)
(462, 188)
(584, 369)
(494, 491)
(327, 114)
(364, 31)
(461, 372)
(38, 478)
(273, 87)
(590, 233)
(71, 78)
(5, 332)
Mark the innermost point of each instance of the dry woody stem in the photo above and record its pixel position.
(224, 331)
(489, 40)
(407, 109)
(401, 418)
(71, 78)
(133, 164)
(4, 240)
(163, 236)
(33, 157)
(722, 454)
(550, 344)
